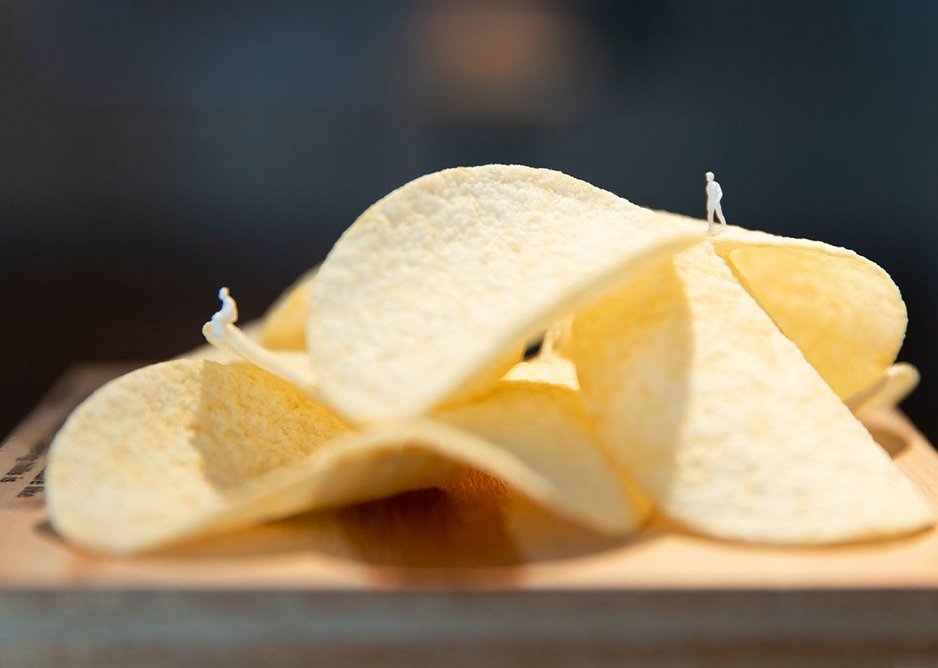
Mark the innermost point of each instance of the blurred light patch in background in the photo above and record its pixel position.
(523, 63)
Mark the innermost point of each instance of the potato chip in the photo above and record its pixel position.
(284, 325)
(723, 422)
(551, 370)
(843, 311)
(888, 392)
(543, 427)
(207, 351)
(292, 366)
(190, 447)
(164, 451)
(430, 296)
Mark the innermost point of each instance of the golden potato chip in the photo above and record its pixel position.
(160, 453)
(552, 370)
(432, 293)
(292, 366)
(284, 325)
(723, 422)
(539, 422)
(843, 311)
(888, 392)
(207, 351)
(190, 447)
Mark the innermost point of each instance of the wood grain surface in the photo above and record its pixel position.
(471, 565)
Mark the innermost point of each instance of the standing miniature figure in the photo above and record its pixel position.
(228, 313)
(714, 195)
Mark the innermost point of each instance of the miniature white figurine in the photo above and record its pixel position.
(714, 195)
(228, 313)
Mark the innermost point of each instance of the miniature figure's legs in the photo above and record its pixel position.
(218, 326)
(719, 210)
(709, 220)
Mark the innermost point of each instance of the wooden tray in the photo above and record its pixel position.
(471, 566)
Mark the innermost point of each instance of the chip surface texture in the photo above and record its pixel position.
(432, 293)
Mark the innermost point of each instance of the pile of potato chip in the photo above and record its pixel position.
(712, 379)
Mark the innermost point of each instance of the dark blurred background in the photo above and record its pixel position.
(152, 151)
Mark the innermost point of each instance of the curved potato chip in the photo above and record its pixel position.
(207, 351)
(283, 327)
(843, 311)
(551, 370)
(432, 293)
(895, 385)
(291, 366)
(157, 454)
(723, 422)
(190, 447)
(544, 428)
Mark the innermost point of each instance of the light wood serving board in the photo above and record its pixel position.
(472, 564)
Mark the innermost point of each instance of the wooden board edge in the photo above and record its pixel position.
(810, 627)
